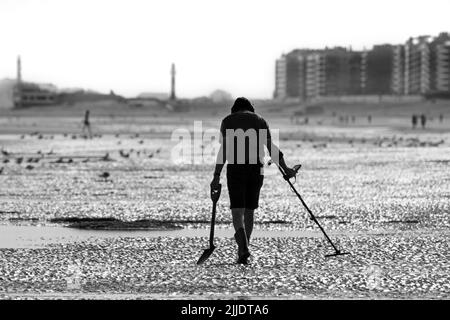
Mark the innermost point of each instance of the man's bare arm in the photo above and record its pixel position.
(219, 161)
(277, 156)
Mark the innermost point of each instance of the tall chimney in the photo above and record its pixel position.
(19, 71)
(172, 92)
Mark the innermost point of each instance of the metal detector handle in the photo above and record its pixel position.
(296, 169)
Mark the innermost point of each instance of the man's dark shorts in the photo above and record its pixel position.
(244, 184)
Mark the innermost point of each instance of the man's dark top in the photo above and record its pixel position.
(254, 133)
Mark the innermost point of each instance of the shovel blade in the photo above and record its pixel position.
(205, 255)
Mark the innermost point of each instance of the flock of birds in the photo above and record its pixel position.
(9, 157)
(379, 142)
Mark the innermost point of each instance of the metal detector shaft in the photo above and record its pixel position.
(309, 211)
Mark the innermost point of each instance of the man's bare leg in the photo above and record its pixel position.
(238, 218)
(248, 222)
(240, 236)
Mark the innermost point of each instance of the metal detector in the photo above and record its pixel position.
(337, 252)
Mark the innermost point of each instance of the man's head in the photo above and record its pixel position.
(242, 104)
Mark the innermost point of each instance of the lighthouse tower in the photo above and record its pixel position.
(172, 89)
(19, 71)
(18, 87)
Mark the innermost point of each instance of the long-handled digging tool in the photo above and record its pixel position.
(215, 194)
(337, 252)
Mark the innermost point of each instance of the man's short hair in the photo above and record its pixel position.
(242, 104)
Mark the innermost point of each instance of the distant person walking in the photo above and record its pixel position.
(369, 119)
(87, 125)
(441, 118)
(423, 120)
(414, 121)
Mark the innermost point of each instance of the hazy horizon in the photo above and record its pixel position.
(128, 46)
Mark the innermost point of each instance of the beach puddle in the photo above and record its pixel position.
(38, 236)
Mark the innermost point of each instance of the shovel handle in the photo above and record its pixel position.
(215, 194)
(213, 220)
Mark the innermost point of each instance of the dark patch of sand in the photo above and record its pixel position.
(115, 224)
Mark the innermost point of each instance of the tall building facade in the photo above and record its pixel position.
(398, 70)
(306, 74)
(299, 74)
(378, 70)
(440, 63)
(172, 82)
(280, 78)
(443, 67)
(314, 75)
(419, 66)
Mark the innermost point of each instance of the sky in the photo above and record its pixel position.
(128, 45)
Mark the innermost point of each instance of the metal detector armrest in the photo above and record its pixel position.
(296, 169)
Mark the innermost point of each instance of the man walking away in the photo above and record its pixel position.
(87, 124)
(243, 137)
(423, 120)
(414, 121)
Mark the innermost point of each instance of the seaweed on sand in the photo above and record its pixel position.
(115, 224)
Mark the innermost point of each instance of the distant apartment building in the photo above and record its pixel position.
(443, 67)
(356, 71)
(419, 66)
(398, 70)
(280, 78)
(336, 71)
(294, 72)
(440, 63)
(31, 94)
(299, 74)
(307, 74)
(314, 75)
(379, 69)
